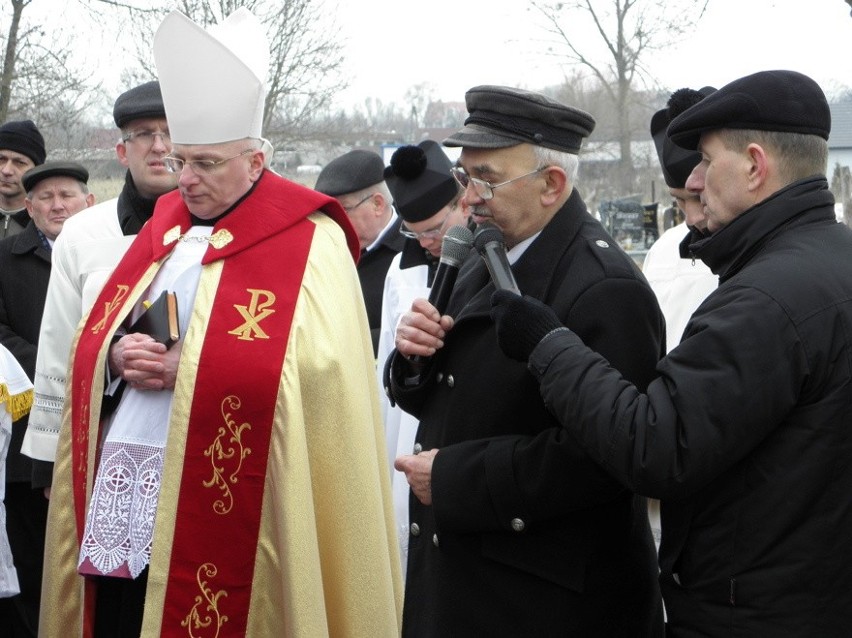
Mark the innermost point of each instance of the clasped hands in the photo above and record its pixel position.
(143, 363)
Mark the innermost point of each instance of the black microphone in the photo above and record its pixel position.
(454, 248)
(488, 241)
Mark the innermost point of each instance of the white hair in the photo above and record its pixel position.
(569, 162)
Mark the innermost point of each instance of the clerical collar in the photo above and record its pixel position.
(197, 221)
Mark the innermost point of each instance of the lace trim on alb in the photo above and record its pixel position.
(120, 521)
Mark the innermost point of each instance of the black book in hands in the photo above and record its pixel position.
(159, 320)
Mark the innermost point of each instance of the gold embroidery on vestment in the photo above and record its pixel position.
(209, 619)
(219, 239)
(257, 310)
(172, 234)
(227, 448)
(110, 307)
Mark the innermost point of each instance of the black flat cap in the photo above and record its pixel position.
(783, 101)
(350, 172)
(420, 180)
(22, 136)
(142, 101)
(54, 169)
(501, 116)
(677, 163)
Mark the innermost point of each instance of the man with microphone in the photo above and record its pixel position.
(514, 530)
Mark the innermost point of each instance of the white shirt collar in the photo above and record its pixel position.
(514, 253)
(379, 237)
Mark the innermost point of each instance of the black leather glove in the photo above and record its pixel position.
(521, 322)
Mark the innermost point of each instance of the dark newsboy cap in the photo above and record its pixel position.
(143, 101)
(677, 163)
(501, 116)
(783, 101)
(23, 137)
(54, 169)
(420, 180)
(351, 172)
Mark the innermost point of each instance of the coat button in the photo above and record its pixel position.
(414, 529)
(417, 448)
(450, 381)
(439, 377)
(435, 540)
(518, 525)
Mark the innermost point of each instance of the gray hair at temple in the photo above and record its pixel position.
(569, 162)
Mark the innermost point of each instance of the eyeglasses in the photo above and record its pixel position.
(147, 137)
(484, 189)
(349, 209)
(432, 233)
(199, 167)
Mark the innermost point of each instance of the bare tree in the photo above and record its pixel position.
(39, 80)
(306, 57)
(10, 57)
(626, 30)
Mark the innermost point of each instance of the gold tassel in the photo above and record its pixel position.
(19, 404)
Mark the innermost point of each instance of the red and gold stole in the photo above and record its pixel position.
(235, 394)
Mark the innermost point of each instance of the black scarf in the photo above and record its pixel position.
(133, 209)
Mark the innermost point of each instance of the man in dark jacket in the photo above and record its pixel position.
(356, 180)
(745, 434)
(55, 191)
(21, 148)
(514, 530)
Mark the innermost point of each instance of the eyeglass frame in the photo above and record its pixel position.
(460, 175)
(207, 165)
(165, 136)
(429, 233)
(349, 209)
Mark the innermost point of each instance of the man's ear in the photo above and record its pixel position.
(379, 203)
(121, 153)
(256, 165)
(759, 166)
(29, 205)
(555, 184)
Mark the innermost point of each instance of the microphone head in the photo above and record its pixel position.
(487, 233)
(456, 245)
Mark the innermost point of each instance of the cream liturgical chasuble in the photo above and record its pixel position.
(273, 514)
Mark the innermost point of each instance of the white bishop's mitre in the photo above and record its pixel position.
(213, 81)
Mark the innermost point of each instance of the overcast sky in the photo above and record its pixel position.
(453, 45)
(456, 44)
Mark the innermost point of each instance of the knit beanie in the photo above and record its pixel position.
(23, 137)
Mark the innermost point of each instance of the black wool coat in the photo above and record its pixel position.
(527, 536)
(24, 275)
